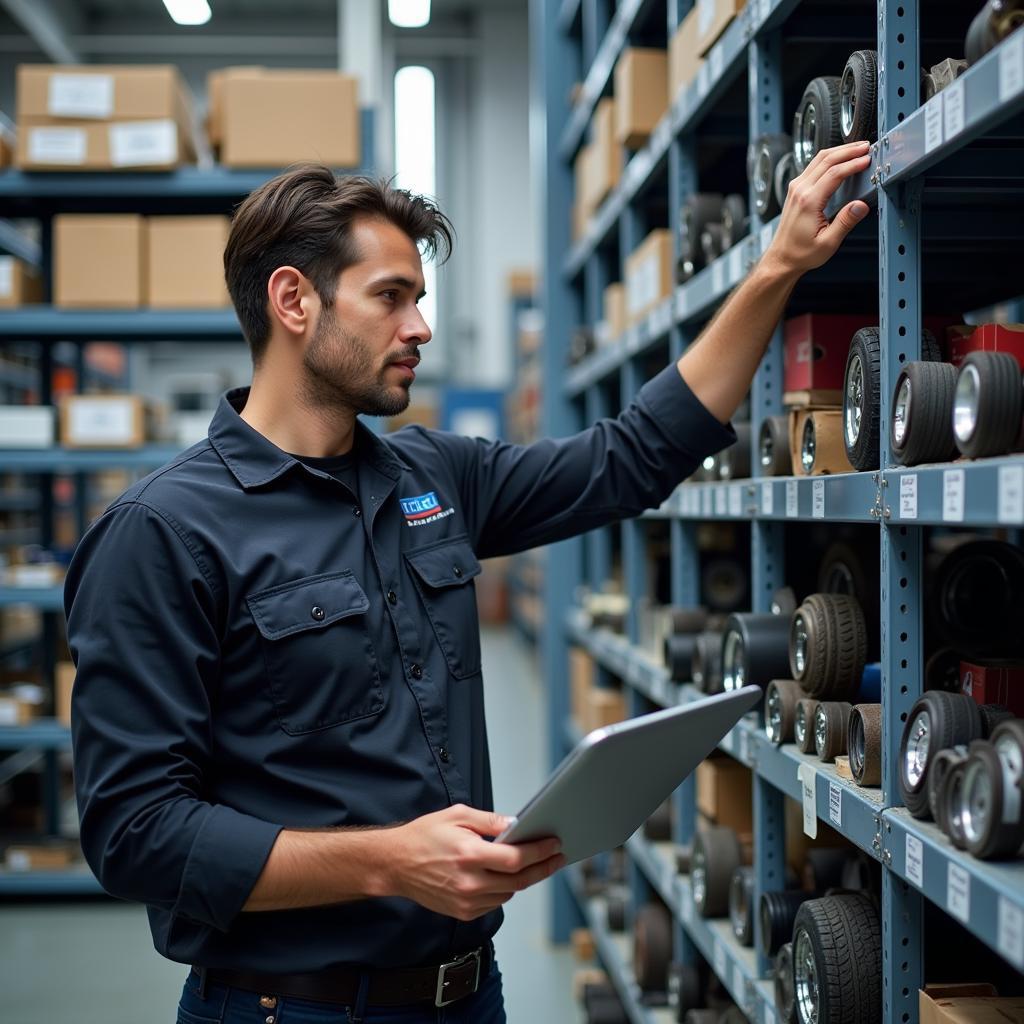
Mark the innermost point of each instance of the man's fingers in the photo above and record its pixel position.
(825, 159)
(499, 884)
(845, 221)
(831, 179)
(510, 860)
(484, 823)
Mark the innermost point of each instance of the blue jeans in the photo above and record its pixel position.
(224, 1005)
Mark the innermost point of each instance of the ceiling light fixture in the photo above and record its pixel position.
(407, 13)
(188, 12)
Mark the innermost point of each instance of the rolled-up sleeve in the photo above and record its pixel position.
(520, 496)
(142, 628)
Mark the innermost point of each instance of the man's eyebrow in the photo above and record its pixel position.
(397, 279)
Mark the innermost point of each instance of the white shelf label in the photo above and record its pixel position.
(767, 499)
(717, 62)
(818, 499)
(1011, 67)
(143, 143)
(705, 501)
(807, 775)
(835, 804)
(1010, 936)
(687, 906)
(703, 79)
(933, 123)
(1011, 494)
(953, 109)
(721, 963)
(958, 892)
(908, 496)
(767, 234)
(81, 96)
(736, 501)
(705, 16)
(718, 276)
(6, 276)
(721, 501)
(735, 263)
(739, 984)
(57, 146)
(915, 861)
(953, 496)
(792, 500)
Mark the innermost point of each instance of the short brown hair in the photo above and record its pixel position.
(303, 218)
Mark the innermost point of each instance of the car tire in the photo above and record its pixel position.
(987, 405)
(773, 447)
(652, 946)
(707, 662)
(734, 461)
(938, 768)
(782, 981)
(993, 821)
(679, 648)
(828, 646)
(921, 419)
(780, 701)
(859, 97)
(816, 125)
(755, 650)
(700, 210)
(864, 744)
(717, 853)
(785, 172)
(741, 905)
(776, 913)
(735, 222)
(684, 989)
(770, 149)
(831, 727)
(803, 724)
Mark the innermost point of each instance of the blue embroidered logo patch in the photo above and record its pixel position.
(423, 509)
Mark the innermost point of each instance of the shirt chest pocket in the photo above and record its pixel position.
(321, 667)
(444, 574)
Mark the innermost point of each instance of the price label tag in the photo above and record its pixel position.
(807, 776)
(767, 499)
(1011, 67)
(1011, 494)
(81, 96)
(958, 892)
(953, 109)
(721, 962)
(818, 499)
(721, 501)
(908, 496)
(915, 861)
(736, 501)
(718, 276)
(1010, 934)
(835, 804)
(703, 80)
(933, 123)
(953, 496)
(735, 263)
(792, 499)
(717, 62)
(705, 501)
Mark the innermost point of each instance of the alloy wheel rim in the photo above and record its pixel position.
(975, 802)
(854, 411)
(915, 759)
(773, 715)
(808, 446)
(805, 975)
(808, 126)
(847, 102)
(799, 643)
(820, 728)
(732, 661)
(965, 403)
(901, 411)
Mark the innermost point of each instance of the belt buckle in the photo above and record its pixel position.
(442, 971)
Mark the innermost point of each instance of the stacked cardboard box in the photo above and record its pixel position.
(20, 284)
(103, 118)
(648, 274)
(641, 94)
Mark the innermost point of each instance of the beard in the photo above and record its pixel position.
(341, 373)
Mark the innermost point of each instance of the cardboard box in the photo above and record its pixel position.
(1007, 338)
(684, 59)
(584, 178)
(20, 284)
(274, 118)
(27, 426)
(582, 677)
(185, 262)
(583, 946)
(64, 678)
(99, 260)
(649, 277)
(713, 18)
(641, 94)
(999, 682)
(819, 399)
(48, 857)
(215, 102)
(14, 712)
(615, 309)
(830, 450)
(155, 145)
(604, 707)
(103, 421)
(606, 166)
(934, 1008)
(725, 793)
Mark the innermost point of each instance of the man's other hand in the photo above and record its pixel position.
(805, 238)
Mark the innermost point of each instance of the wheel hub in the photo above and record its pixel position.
(820, 728)
(732, 661)
(808, 446)
(965, 403)
(975, 802)
(847, 102)
(773, 715)
(800, 725)
(901, 412)
(808, 132)
(799, 643)
(805, 975)
(915, 760)
(854, 410)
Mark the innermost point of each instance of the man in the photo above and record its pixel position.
(278, 714)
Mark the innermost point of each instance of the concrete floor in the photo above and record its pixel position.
(93, 962)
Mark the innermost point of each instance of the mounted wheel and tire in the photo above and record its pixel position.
(803, 724)
(768, 152)
(652, 946)
(782, 980)
(864, 744)
(780, 701)
(777, 912)
(993, 23)
(987, 405)
(683, 989)
(816, 125)
(993, 823)
(698, 212)
(754, 650)
(941, 765)
(921, 421)
(717, 853)
(741, 905)
(831, 727)
(773, 447)
(828, 646)
(837, 960)
(858, 100)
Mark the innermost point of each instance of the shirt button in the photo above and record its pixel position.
(416, 672)
(392, 597)
(457, 571)
(357, 511)
(444, 755)
(318, 613)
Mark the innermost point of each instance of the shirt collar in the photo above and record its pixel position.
(255, 461)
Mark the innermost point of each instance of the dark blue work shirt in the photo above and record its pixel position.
(260, 648)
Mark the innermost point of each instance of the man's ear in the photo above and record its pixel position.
(293, 300)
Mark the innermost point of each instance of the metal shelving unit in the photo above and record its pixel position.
(941, 142)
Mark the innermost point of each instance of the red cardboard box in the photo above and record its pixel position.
(816, 346)
(986, 338)
(999, 682)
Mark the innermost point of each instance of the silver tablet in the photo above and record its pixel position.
(617, 777)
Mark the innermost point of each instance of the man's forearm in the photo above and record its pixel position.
(720, 365)
(309, 869)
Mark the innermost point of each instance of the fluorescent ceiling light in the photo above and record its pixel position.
(188, 12)
(407, 13)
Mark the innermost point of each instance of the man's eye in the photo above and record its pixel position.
(390, 295)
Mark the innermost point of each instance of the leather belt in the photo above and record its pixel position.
(441, 985)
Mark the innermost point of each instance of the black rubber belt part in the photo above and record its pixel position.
(688, 620)
(938, 768)
(684, 989)
(741, 905)
(679, 648)
(805, 709)
(777, 912)
(707, 662)
(652, 946)
(782, 976)
(780, 702)
(831, 723)
(716, 855)
(993, 774)
(823, 868)
(658, 827)
(765, 647)
(864, 744)
(828, 646)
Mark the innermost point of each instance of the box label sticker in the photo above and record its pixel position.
(933, 123)
(953, 496)
(6, 276)
(1011, 494)
(1011, 67)
(143, 143)
(703, 79)
(807, 775)
(717, 62)
(835, 804)
(818, 499)
(915, 861)
(1010, 934)
(736, 501)
(908, 496)
(718, 276)
(792, 501)
(81, 96)
(705, 501)
(958, 892)
(721, 963)
(953, 109)
(57, 146)
(721, 501)
(105, 421)
(767, 500)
